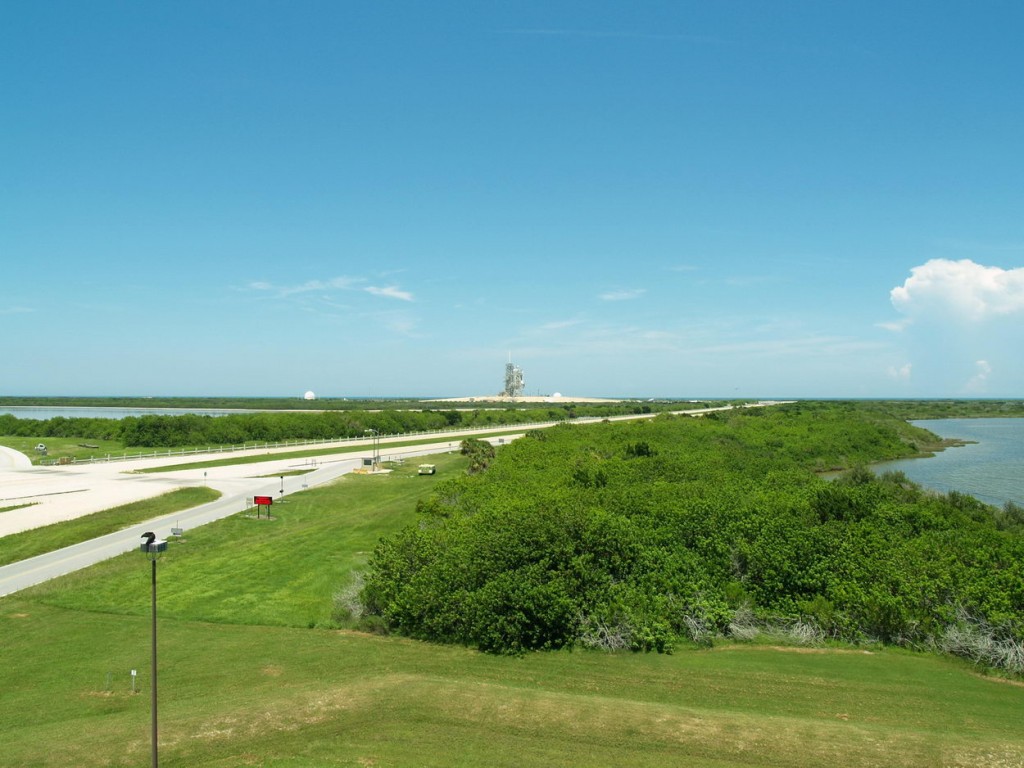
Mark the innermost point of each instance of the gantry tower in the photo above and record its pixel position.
(513, 379)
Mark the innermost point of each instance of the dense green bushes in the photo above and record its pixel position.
(480, 453)
(196, 430)
(639, 535)
(948, 409)
(199, 430)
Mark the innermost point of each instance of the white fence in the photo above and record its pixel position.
(338, 441)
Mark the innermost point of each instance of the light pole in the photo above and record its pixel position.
(152, 547)
(376, 447)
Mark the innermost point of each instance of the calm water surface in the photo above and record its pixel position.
(992, 469)
(71, 412)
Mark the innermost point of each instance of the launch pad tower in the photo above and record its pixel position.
(513, 380)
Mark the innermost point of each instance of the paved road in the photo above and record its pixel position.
(18, 576)
(237, 490)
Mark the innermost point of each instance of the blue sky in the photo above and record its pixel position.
(685, 199)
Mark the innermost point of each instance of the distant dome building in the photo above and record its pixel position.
(557, 394)
(311, 395)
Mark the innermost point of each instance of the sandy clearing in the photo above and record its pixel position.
(65, 492)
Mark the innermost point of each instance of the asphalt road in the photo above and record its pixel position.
(25, 573)
(18, 576)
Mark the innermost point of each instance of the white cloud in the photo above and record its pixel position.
(961, 327)
(402, 325)
(557, 325)
(623, 295)
(390, 292)
(963, 289)
(399, 322)
(335, 284)
(977, 382)
(15, 310)
(654, 335)
(312, 285)
(900, 374)
(896, 325)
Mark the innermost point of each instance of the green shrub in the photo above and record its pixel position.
(644, 535)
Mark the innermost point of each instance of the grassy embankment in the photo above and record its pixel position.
(322, 451)
(71, 449)
(57, 448)
(16, 506)
(47, 538)
(245, 680)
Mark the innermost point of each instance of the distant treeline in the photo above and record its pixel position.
(947, 409)
(301, 404)
(642, 535)
(904, 409)
(215, 403)
(191, 430)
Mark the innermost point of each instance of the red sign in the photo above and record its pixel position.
(263, 501)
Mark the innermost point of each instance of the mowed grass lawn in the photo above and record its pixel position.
(47, 538)
(252, 673)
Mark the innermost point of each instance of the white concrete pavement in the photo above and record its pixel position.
(56, 493)
(59, 493)
(12, 459)
(238, 489)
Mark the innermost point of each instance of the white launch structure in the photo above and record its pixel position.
(513, 380)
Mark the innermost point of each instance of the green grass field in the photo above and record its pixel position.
(47, 538)
(254, 672)
(315, 452)
(17, 506)
(62, 447)
(79, 449)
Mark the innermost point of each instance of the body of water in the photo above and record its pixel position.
(71, 412)
(990, 469)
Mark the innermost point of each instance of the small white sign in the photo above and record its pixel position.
(134, 673)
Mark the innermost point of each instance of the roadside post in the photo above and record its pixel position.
(152, 547)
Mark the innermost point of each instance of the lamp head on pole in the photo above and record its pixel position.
(152, 545)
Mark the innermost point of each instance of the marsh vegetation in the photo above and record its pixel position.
(676, 531)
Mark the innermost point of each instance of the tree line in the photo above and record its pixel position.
(198, 430)
(645, 535)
